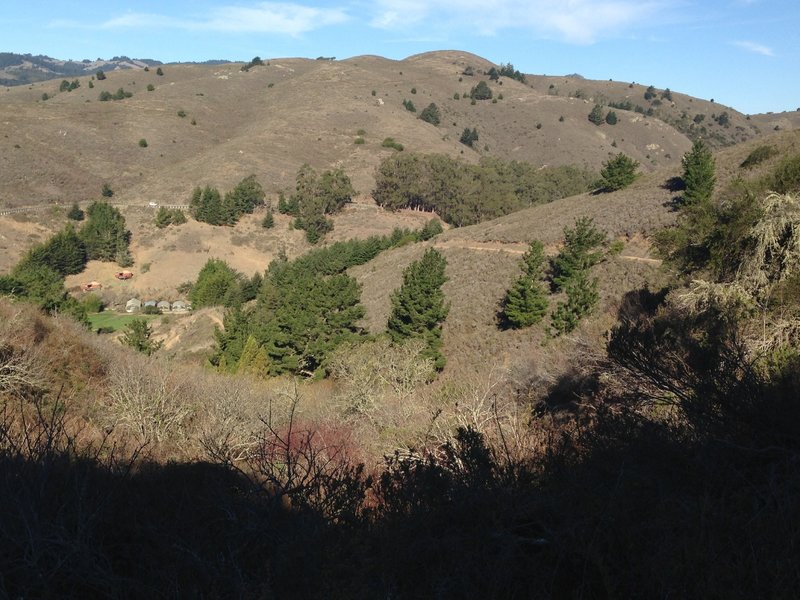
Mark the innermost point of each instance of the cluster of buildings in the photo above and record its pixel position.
(179, 306)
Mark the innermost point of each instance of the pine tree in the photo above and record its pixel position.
(268, 222)
(579, 254)
(431, 114)
(596, 116)
(138, 336)
(419, 307)
(525, 304)
(104, 233)
(618, 172)
(698, 174)
(582, 297)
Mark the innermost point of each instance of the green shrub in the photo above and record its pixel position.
(150, 87)
(143, 143)
(358, 141)
(596, 115)
(611, 118)
(106, 191)
(181, 113)
(75, 213)
(409, 105)
(469, 136)
(100, 75)
(758, 155)
(481, 92)
(431, 114)
(391, 143)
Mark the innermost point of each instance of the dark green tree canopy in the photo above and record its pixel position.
(431, 114)
(138, 335)
(596, 115)
(217, 284)
(698, 174)
(104, 233)
(582, 250)
(618, 172)
(419, 307)
(481, 91)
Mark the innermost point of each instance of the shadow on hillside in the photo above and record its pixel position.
(673, 184)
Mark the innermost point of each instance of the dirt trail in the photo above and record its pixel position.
(517, 248)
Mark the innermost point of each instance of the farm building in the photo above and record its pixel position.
(133, 305)
(164, 306)
(181, 306)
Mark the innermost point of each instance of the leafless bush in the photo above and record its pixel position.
(148, 400)
(378, 380)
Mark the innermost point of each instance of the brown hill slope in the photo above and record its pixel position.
(272, 119)
(483, 261)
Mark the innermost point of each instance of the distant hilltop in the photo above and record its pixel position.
(21, 69)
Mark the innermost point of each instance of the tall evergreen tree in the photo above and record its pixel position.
(582, 297)
(698, 174)
(526, 302)
(419, 307)
(580, 252)
(104, 233)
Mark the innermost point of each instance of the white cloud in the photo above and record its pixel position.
(754, 47)
(264, 17)
(576, 21)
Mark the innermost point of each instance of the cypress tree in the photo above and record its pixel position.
(419, 307)
(698, 174)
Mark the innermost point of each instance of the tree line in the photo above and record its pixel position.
(463, 194)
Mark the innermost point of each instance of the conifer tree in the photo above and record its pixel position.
(596, 115)
(104, 233)
(580, 252)
(526, 302)
(582, 297)
(698, 174)
(618, 172)
(419, 307)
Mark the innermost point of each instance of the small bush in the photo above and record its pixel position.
(431, 114)
(358, 141)
(413, 90)
(150, 87)
(159, 71)
(75, 213)
(100, 75)
(758, 156)
(181, 113)
(143, 143)
(268, 222)
(409, 106)
(106, 191)
(390, 143)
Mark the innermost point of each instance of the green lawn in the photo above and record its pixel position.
(115, 321)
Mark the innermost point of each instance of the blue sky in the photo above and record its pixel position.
(743, 53)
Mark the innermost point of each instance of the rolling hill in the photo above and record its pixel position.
(273, 118)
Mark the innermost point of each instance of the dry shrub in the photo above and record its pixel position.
(149, 401)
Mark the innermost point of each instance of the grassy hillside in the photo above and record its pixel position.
(273, 118)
